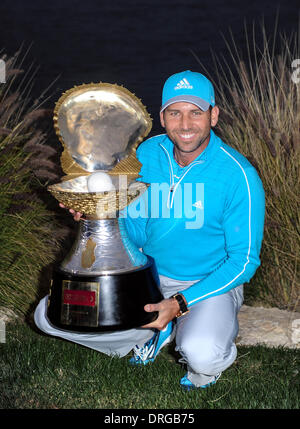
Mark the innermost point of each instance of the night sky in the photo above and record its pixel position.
(134, 43)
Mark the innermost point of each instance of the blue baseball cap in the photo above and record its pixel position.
(190, 87)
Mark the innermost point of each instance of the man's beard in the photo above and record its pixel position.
(200, 143)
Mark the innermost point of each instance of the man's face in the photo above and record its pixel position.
(187, 126)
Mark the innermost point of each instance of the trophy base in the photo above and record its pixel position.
(106, 302)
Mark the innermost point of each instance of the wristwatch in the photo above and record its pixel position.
(182, 305)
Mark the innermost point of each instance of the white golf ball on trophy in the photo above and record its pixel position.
(100, 182)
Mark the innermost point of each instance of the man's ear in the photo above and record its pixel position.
(162, 121)
(214, 117)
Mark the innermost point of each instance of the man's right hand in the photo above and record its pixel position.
(76, 215)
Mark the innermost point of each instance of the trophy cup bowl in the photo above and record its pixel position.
(104, 281)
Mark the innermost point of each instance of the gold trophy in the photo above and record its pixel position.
(105, 280)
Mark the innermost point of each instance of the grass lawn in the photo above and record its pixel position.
(42, 372)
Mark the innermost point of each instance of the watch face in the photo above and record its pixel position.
(182, 305)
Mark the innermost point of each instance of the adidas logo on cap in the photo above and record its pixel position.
(184, 83)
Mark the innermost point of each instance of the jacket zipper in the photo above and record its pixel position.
(173, 185)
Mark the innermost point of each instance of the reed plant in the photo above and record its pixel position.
(29, 231)
(259, 97)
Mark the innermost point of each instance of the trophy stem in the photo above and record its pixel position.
(103, 247)
(105, 281)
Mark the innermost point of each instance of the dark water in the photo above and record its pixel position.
(134, 43)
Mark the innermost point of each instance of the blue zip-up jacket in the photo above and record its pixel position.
(201, 222)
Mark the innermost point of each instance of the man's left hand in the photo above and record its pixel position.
(167, 311)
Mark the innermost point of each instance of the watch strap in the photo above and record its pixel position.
(182, 305)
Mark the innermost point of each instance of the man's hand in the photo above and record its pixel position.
(167, 311)
(76, 215)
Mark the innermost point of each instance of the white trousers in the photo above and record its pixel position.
(204, 337)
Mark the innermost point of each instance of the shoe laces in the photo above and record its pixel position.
(145, 352)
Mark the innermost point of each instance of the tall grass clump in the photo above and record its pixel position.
(29, 233)
(259, 99)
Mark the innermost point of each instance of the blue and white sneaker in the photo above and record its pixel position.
(147, 353)
(187, 385)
